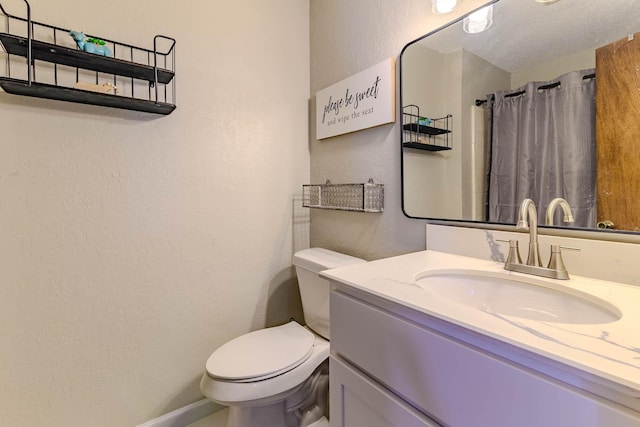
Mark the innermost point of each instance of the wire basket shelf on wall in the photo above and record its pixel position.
(366, 197)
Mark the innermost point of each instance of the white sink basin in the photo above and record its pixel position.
(523, 297)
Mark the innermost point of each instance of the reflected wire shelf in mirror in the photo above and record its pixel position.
(425, 133)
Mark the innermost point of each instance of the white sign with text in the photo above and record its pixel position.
(362, 101)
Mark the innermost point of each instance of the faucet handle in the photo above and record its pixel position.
(555, 261)
(514, 252)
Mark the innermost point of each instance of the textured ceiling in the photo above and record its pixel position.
(525, 33)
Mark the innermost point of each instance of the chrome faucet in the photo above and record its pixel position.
(559, 201)
(528, 219)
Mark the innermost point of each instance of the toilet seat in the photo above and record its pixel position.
(260, 355)
(257, 393)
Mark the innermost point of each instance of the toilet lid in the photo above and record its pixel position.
(261, 354)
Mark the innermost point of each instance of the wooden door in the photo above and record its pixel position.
(618, 133)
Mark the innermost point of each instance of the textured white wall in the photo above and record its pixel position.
(419, 165)
(346, 38)
(131, 245)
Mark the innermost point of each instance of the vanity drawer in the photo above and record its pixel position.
(456, 384)
(358, 401)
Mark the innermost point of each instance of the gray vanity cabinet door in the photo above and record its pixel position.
(357, 401)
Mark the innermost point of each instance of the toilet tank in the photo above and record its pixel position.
(314, 290)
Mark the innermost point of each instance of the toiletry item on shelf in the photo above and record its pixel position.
(103, 88)
(90, 44)
(424, 121)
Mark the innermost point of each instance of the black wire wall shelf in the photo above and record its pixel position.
(42, 90)
(156, 75)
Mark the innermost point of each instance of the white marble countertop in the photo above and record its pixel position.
(607, 350)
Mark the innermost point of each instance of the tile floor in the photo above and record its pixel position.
(217, 419)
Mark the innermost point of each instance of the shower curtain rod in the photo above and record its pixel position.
(479, 102)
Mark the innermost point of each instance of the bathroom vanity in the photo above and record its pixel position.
(429, 339)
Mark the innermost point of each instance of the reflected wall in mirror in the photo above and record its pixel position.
(542, 105)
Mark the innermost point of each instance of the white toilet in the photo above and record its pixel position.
(279, 376)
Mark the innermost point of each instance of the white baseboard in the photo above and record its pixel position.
(186, 415)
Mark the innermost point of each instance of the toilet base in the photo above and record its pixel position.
(322, 422)
(273, 415)
(305, 406)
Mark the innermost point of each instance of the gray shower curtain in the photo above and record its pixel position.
(541, 145)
